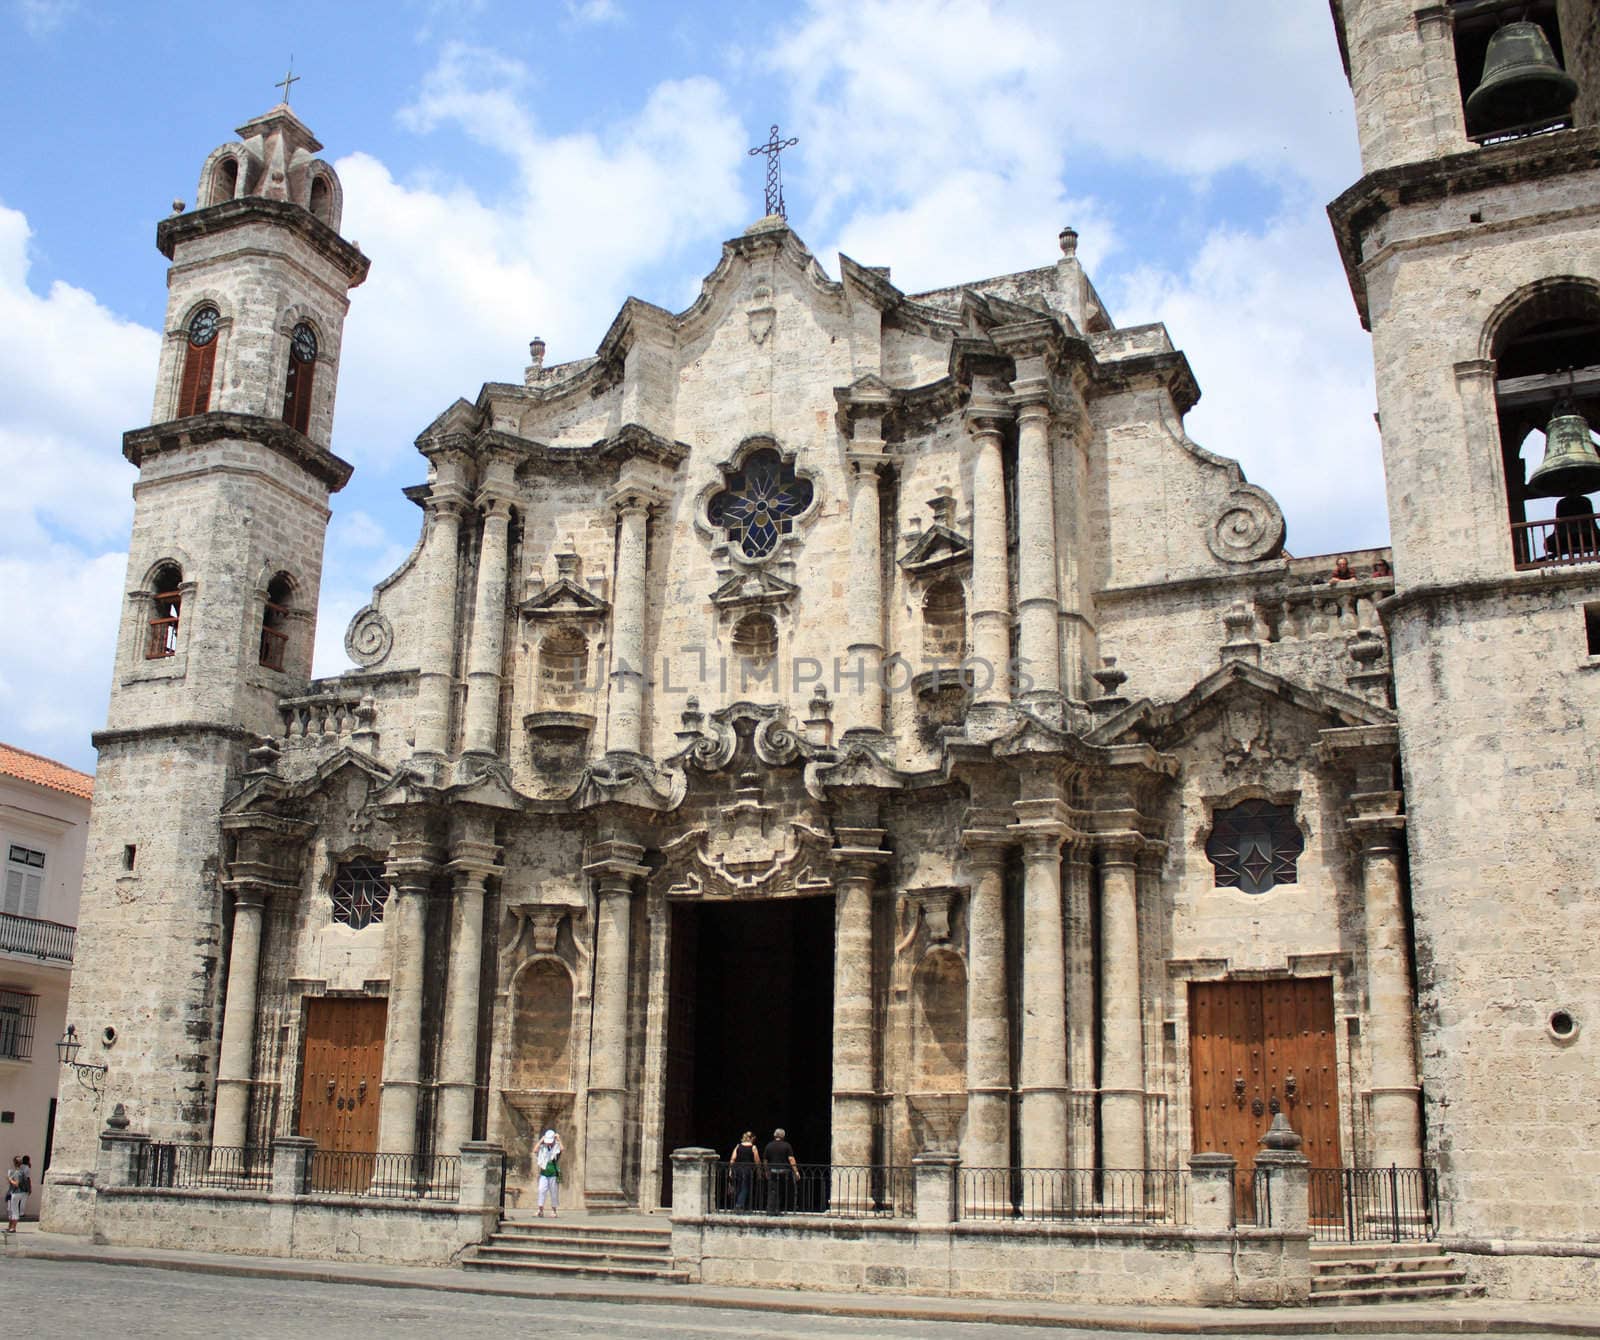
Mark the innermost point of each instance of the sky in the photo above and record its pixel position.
(519, 169)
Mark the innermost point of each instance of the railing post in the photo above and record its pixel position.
(122, 1152)
(937, 1176)
(1280, 1160)
(1211, 1181)
(483, 1166)
(291, 1164)
(692, 1171)
(1394, 1202)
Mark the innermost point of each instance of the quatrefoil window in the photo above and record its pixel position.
(1254, 846)
(760, 502)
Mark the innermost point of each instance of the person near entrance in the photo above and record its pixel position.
(548, 1158)
(743, 1162)
(783, 1173)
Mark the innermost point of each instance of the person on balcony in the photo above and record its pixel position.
(547, 1155)
(1341, 570)
(1574, 535)
(744, 1161)
(782, 1171)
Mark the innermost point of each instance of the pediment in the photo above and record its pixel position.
(1169, 723)
(564, 599)
(461, 419)
(270, 788)
(939, 547)
(753, 588)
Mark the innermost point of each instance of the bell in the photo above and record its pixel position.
(1523, 84)
(1571, 464)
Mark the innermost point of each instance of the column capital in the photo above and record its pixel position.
(448, 500)
(1041, 841)
(1031, 397)
(411, 866)
(615, 865)
(867, 461)
(495, 506)
(1121, 848)
(248, 893)
(860, 852)
(986, 416)
(985, 847)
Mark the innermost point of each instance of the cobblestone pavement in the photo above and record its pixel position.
(57, 1300)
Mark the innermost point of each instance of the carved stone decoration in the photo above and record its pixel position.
(369, 638)
(712, 741)
(748, 864)
(1249, 528)
(761, 313)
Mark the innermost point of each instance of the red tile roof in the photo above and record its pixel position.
(46, 772)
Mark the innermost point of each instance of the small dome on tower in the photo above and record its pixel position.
(274, 158)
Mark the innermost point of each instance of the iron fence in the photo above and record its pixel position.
(877, 1191)
(208, 1167)
(1085, 1195)
(1252, 1197)
(1391, 1204)
(395, 1176)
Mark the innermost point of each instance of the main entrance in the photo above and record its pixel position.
(341, 1073)
(750, 1026)
(1257, 1048)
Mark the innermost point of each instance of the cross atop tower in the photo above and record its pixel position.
(772, 149)
(292, 78)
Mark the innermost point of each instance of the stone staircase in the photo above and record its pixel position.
(584, 1247)
(1385, 1272)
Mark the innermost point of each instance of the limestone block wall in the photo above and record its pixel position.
(1401, 65)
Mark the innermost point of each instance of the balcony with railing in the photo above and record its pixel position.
(28, 937)
(1557, 542)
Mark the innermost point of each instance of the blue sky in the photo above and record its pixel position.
(519, 169)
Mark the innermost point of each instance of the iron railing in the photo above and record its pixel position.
(878, 1191)
(1252, 1197)
(1085, 1195)
(1374, 1204)
(207, 1167)
(1553, 543)
(36, 939)
(394, 1176)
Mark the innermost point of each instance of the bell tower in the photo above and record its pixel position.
(218, 618)
(1472, 245)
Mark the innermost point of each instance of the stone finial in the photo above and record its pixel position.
(943, 507)
(1281, 1135)
(819, 725)
(1238, 623)
(1109, 678)
(569, 567)
(536, 348)
(1068, 238)
(264, 757)
(118, 1120)
(693, 717)
(178, 206)
(1365, 648)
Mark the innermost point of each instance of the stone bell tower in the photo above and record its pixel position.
(1472, 244)
(218, 620)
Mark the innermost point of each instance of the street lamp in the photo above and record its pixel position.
(89, 1073)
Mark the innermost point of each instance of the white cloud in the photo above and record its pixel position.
(593, 11)
(41, 17)
(72, 376)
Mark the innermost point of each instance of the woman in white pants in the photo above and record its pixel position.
(548, 1158)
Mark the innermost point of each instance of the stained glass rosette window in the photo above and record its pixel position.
(1254, 846)
(760, 503)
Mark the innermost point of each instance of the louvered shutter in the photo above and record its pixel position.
(13, 903)
(194, 394)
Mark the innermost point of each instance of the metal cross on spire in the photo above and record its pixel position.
(287, 80)
(772, 149)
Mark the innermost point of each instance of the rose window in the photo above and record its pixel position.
(1254, 846)
(359, 892)
(760, 503)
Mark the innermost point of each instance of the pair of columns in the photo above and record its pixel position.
(1038, 611)
(411, 870)
(1055, 1062)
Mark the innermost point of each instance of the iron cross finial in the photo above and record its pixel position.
(287, 80)
(772, 149)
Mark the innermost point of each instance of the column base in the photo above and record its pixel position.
(989, 720)
(1049, 705)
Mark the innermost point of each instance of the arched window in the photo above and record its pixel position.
(359, 893)
(321, 198)
(224, 181)
(275, 622)
(302, 369)
(944, 622)
(755, 643)
(199, 362)
(1254, 846)
(563, 662)
(760, 503)
(164, 612)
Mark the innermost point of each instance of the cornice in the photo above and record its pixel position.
(139, 444)
(177, 229)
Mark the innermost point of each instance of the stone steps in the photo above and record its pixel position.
(1386, 1273)
(578, 1250)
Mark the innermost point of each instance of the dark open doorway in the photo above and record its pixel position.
(750, 1026)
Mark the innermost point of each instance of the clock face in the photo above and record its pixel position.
(303, 344)
(203, 326)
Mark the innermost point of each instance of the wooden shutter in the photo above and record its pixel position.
(297, 394)
(13, 902)
(194, 393)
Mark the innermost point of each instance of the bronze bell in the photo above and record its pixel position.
(1523, 84)
(1571, 464)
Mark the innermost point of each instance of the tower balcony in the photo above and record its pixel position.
(1557, 542)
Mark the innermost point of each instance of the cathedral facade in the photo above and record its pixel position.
(871, 714)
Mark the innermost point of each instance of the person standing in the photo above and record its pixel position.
(548, 1158)
(13, 1194)
(782, 1171)
(744, 1161)
(24, 1185)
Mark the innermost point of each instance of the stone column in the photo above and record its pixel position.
(614, 867)
(485, 655)
(472, 862)
(857, 857)
(436, 661)
(1042, 1060)
(625, 732)
(987, 1141)
(1038, 589)
(990, 643)
(1391, 1041)
(410, 873)
(237, 1052)
(1081, 1151)
(1121, 1023)
(863, 709)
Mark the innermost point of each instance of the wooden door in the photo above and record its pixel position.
(1257, 1047)
(341, 1073)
